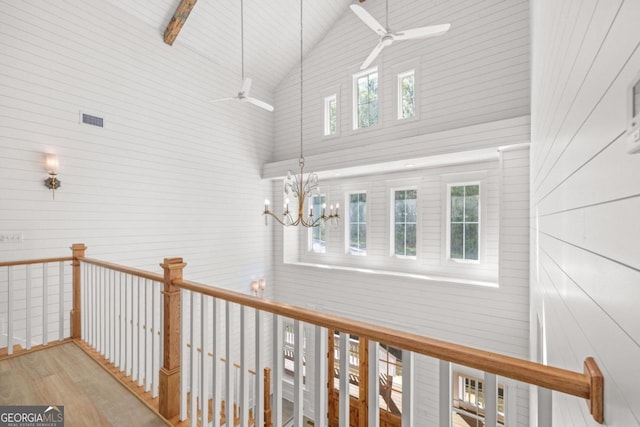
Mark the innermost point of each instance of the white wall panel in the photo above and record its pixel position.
(584, 188)
(168, 175)
(475, 73)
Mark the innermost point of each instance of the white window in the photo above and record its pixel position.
(463, 228)
(317, 235)
(330, 115)
(406, 95)
(405, 222)
(468, 408)
(357, 224)
(365, 99)
(288, 349)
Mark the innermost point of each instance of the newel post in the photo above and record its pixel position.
(169, 387)
(78, 250)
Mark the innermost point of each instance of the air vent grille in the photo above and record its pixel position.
(92, 120)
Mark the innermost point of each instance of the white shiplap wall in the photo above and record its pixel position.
(477, 72)
(473, 86)
(495, 319)
(584, 195)
(169, 174)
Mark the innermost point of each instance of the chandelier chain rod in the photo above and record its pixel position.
(301, 80)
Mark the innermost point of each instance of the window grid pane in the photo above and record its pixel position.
(317, 236)
(464, 222)
(358, 224)
(367, 100)
(405, 222)
(330, 115)
(406, 95)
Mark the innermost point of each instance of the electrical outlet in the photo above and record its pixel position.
(11, 237)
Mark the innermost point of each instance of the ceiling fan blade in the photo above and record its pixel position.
(374, 53)
(369, 20)
(222, 99)
(246, 85)
(260, 104)
(421, 32)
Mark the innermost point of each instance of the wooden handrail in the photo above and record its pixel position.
(35, 261)
(127, 270)
(587, 385)
(574, 383)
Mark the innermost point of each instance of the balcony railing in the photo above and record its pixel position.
(193, 348)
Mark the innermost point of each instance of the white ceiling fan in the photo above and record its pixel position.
(243, 94)
(387, 37)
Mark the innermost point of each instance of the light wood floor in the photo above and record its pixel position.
(65, 375)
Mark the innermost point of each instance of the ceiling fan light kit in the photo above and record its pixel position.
(387, 37)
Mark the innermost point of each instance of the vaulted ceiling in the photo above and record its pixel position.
(271, 31)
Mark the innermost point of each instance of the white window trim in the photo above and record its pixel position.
(392, 240)
(399, 78)
(469, 178)
(402, 68)
(354, 100)
(480, 221)
(325, 108)
(347, 221)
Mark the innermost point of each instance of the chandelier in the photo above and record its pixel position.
(302, 188)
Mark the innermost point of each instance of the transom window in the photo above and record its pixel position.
(464, 221)
(317, 235)
(405, 222)
(330, 115)
(288, 349)
(357, 224)
(468, 407)
(365, 88)
(406, 95)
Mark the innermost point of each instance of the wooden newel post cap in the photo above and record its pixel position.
(173, 263)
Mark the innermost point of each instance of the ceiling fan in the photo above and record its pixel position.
(243, 94)
(387, 37)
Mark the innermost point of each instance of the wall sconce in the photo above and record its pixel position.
(52, 183)
(257, 287)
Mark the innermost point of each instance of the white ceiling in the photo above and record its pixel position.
(271, 31)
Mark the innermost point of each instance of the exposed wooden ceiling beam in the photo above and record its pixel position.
(175, 25)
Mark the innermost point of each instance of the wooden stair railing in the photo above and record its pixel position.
(588, 384)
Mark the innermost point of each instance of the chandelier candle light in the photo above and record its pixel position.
(299, 187)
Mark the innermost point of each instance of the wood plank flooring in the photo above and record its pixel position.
(65, 375)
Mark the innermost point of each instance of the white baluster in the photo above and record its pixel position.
(343, 408)
(204, 363)
(155, 350)
(45, 303)
(490, 388)
(259, 379)
(407, 388)
(545, 407)
(278, 369)
(29, 304)
(10, 310)
(193, 384)
(215, 368)
(61, 309)
(229, 365)
(298, 370)
(244, 365)
(444, 405)
(141, 335)
(374, 384)
(320, 380)
(183, 355)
